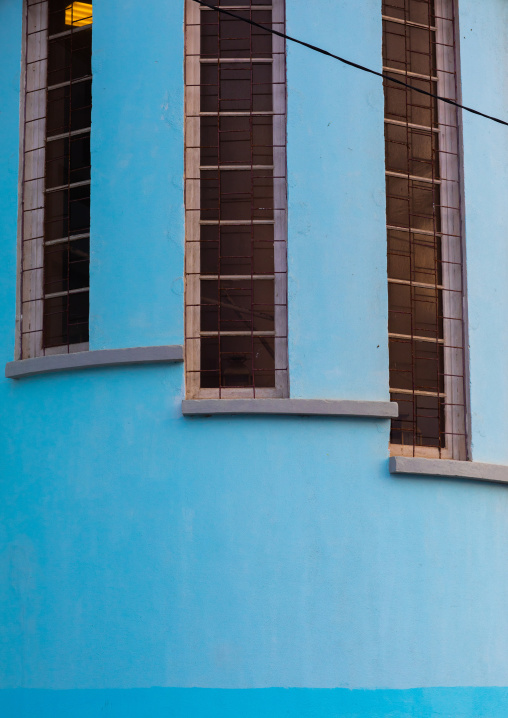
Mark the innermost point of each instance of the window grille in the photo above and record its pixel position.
(425, 266)
(55, 211)
(236, 323)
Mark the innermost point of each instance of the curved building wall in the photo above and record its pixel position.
(153, 564)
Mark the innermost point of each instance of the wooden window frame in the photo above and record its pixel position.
(453, 288)
(193, 334)
(32, 191)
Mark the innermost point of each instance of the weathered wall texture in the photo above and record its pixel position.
(155, 565)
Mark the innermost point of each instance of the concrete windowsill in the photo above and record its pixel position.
(93, 359)
(295, 407)
(447, 468)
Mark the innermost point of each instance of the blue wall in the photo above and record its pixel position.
(484, 51)
(146, 557)
(336, 204)
(137, 225)
(269, 703)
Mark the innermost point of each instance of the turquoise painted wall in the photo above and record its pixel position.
(155, 565)
(337, 300)
(484, 51)
(137, 186)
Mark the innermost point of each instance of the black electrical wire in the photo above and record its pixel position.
(348, 62)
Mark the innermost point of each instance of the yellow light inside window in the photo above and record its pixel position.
(78, 14)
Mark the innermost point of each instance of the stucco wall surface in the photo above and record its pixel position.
(137, 225)
(484, 60)
(337, 226)
(152, 564)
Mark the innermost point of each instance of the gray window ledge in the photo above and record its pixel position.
(91, 359)
(307, 407)
(449, 469)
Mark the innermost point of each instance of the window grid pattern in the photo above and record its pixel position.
(425, 267)
(236, 320)
(55, 198)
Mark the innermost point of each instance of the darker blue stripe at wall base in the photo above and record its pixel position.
(256, 703)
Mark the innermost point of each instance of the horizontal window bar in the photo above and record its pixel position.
(64, 294)
(64, 240)
(245, 60)
(235, 167)
(407, 73)
(416, 178)
(417, 392)
(410, 283)
(412, 125)
(67, 186)
(72, 31)
(414, 337)
(399, 21)
(233, 222)
(239, 113)
(236, 7)
(72, 133)
(238, 334)
(426, 232)
(85, 78)
(228, 277)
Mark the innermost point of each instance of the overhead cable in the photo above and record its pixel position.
(350, 63)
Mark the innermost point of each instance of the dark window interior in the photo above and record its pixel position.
(415, 262)
(67, 174)
(237, 285)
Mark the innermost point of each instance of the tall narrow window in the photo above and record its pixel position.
(55, 212)
(425, 271)
(236, 326)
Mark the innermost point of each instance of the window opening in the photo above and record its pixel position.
(236, 321)
(424, 224)
(55, 212)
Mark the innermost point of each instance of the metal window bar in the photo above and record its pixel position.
(235, 196)
(424, 225)
(55, 186)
